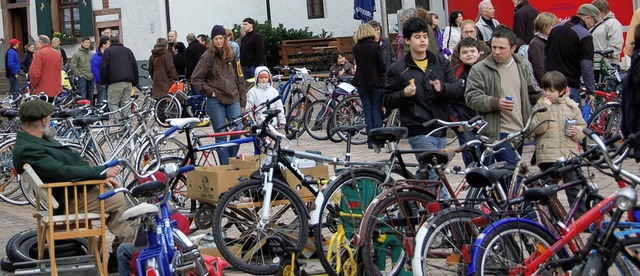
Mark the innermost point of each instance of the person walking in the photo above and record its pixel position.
(161, 69)
(12, 68)
(194, 51)
(103, 44)
(607, 35)
(218, 76)
(44, 73)
(491, 80)
(251, 49)
(535, 53)
(487, 22)
(81, 68)
(523, 16)
(452, 33)
(119, 72)
(569, 50)
(369, 79)
(27, 58)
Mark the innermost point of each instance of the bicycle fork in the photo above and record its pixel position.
(267, 188)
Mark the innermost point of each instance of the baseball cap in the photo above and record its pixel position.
(590, 10)
(14, 41)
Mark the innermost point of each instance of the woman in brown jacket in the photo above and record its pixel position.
(218, 76)
(161, 69)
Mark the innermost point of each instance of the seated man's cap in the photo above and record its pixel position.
(34, 110)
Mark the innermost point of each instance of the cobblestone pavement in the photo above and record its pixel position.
(15, 219)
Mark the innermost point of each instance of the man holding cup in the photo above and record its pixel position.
(502, 89)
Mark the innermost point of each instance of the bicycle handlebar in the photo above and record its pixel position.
(468, 125)
(259, 107)
(172, 174)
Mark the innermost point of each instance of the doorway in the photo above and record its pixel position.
(19, 27)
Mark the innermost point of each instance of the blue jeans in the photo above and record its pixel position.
(249, 72)
(574, 94)
(219, 114)
(429, 143)
(14, 86)
(467, 156)
(371, 98)
(85, 89)
(125, 251)
(102, 94)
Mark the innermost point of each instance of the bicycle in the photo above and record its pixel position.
(169, 251)
(528, 247)
(178, 103)
(319, 112)
(296, 115)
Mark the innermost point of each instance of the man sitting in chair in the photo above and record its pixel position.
(54, 162)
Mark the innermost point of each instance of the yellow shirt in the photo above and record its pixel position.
(422, 64)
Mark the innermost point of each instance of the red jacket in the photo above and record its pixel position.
(45, 71)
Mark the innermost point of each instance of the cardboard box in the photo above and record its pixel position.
(208, 183)
(321, 171)
(213, 251)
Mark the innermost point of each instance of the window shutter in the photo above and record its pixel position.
(43, 17)
(86, 18)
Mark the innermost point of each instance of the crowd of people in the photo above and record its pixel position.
(472, 67)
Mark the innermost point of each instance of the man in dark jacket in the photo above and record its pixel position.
(422, 85)
(388, 55)
(118, 70)
(251, 49)
(569, 50)
(194, 52)
(523, 17)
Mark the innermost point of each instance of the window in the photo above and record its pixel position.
(70, 17)
(393, 6)
(315, 9)
(423, 4)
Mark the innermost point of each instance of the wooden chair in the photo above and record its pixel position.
(76, 222)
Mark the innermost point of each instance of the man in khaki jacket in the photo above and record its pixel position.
(81, 68)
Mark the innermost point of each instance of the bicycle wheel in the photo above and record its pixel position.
(441, 242)
(9, 181)
(167, 107)
(628, 261)
(393, 220)
(316, 119)
(340, 214)
(605, 121)
(250, 245)
(295, 118)
(349, 112)
(170, 146)
(510, 245)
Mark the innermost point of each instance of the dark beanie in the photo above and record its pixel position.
(218, 30)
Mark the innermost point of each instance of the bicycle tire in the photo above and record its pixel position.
(344, 199)
(167, 107)
(295, 118)
(169, 146)
(629, 257)
(349, 112)
(605, 121)
(247, 251)
(316, 119)
(444, 237)
(9, 181)
(515, 239)
(387, 230)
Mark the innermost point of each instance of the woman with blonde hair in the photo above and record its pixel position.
(369, 77)
(219, 77)
(541, 27)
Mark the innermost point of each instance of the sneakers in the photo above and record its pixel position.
(112, 264)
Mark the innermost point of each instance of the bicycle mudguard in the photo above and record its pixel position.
(492, 226)
(315, 214)
(423, 189)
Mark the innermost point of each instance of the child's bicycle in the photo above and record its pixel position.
(170, 252)
(178, 102)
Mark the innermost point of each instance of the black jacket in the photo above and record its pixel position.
(26, 61)
(180, 63)
(458, 109)
(368, 58)
(118, 65)
(252, 50)
(194, 52)
(523, 17)
(388, 54)
(536, 57)
(426, 104)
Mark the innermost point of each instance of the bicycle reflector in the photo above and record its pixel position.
(626, 199)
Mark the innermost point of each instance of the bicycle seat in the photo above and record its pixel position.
(86, 121)
(604, 52)
(540, 194)
(147, 189)
(434, 157)
(271, 112)
(483, 177)
(350, 130)
(182, 122)
(10, 113)
(139, 210)
(380, 136)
